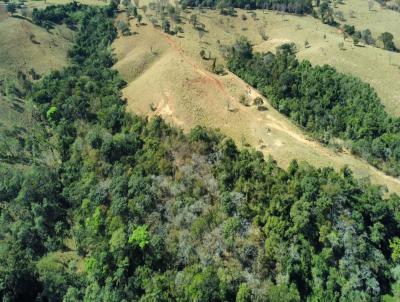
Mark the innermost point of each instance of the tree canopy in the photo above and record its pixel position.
(291, 6)
(134, 210)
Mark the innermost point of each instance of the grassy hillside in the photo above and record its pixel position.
(25, 47)
(135, 210)
(166, 76)
(376, 66)
(378, 19)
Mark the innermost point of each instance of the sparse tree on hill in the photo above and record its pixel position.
(166, 26)
(262, 33)
(387, 40)
(200, 33)
(126, 3)
(193, 20)
(326, 13)
(162, 5)
(339, 14)
(11, 8)
(258, 101)
(24, 11)
(124, 28)
(154, 21)
(349, 29)
(178, 29)
(139, 19)
(131, 11)
(370, 5)
(366, 35)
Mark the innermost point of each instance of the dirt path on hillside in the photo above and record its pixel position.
(269, 119)
(253, 93)
(204, 73)
(269, 131)
(221, 86)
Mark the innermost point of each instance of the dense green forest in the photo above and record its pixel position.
(132, 209)
(326, 103)
(291, 6)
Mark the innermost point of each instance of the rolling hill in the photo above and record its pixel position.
(167, 77)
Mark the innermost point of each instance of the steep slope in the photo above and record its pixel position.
(167, 77)
(378, 67)
(25, 46)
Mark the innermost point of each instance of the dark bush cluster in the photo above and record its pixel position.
(290, 6)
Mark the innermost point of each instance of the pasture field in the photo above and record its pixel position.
(25, 47)
(166, 76)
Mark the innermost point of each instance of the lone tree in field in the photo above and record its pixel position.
(166, 26)
(387, 40)
(139, 19)
(193, 20)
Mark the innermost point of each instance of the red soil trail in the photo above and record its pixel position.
(210, 78)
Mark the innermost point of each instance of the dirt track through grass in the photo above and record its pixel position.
(182, 90)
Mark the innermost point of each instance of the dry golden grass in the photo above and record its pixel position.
(376, 66)
(167, 77)
(25, 46)
(378, 20)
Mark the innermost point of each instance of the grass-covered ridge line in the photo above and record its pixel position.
(136, 211)
(326, 103)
